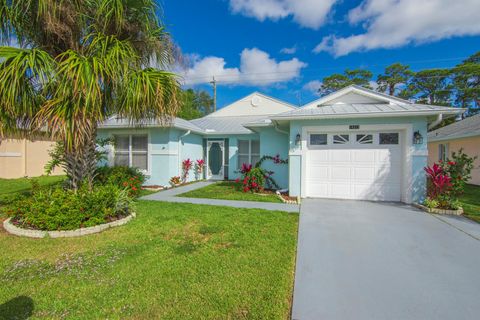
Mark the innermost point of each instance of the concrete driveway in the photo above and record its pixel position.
(365, 260)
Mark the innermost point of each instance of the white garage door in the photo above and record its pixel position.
(361, 166)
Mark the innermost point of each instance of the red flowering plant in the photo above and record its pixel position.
(199, 165)
(187, 165)
(439, 183)
(133, 186)
(459, 169)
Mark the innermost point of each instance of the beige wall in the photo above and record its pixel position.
(24, 158)
(471, 146)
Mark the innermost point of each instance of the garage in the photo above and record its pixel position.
(354, 165)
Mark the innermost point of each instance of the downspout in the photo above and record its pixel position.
(436, 122)
(179, 150)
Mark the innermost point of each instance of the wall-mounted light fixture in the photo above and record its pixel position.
(417, 137)
(298, 138)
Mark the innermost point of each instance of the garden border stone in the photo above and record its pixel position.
(12, 229)
(457, 212)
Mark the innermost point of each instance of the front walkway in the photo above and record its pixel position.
(170, 195)
(365, 260)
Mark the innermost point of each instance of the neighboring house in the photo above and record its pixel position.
(352, 144)
(24, 158)
(464, 134)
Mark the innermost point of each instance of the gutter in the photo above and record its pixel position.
(275, 125)
(436, 122)
(179, 151)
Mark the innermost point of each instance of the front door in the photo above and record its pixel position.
(215, 150)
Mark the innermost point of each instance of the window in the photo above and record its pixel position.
(364, 138)
(318, 139)
(132, 151)
(442, 152)
(388, 138)
(341, 139)
(248, 152)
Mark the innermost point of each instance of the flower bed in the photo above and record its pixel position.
(456, 212)
(10, 226)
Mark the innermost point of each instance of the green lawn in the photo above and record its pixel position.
(11, 187)
(226, 190)
(471, 202)
(174, 261)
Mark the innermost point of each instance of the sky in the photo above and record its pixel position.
(283, 48)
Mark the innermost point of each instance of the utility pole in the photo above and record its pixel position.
(214, 83)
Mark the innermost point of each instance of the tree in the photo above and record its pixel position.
(431, 86)
(395, 75)
(195, 104)
(338, 81)
(80, 62)
(466, 84)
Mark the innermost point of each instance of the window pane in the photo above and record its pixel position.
(121, 159)
(139, 143)
(388, 138)
(139, 161)
(255, 159)
(243, 146)
(242, 159)
(121, 143)
(341, 138)
(318, 139)
(255, 146)
(365, 138)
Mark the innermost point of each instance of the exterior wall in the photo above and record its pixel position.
(272, 143)
(252, 105)
(471, 146)
(24, 158)
(417, 154)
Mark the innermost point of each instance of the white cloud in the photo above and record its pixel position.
(256, 68)
(394, 23)
(313, 86)
(307, 13)
(290, 50)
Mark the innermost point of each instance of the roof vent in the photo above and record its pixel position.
(256, 101)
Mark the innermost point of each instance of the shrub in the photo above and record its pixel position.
(199, 165)
(186, 167)
(431, 203)
(253, 180)
(175, 180)
(129, 178)
(61, 209)
(459, 169)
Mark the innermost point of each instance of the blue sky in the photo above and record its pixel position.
(285, 47)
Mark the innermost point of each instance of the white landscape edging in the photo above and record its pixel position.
(11, 228)
(457, 212)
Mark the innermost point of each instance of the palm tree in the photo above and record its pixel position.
(77, 63)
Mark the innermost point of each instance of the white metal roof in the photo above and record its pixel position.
(468, 127)
(226, 125)
(114, 122)
(353, 110)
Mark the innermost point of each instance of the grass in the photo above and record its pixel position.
(11, 187)
(471, 202)
(174, 261)
(226, 190)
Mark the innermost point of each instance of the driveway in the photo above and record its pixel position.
(365, 260)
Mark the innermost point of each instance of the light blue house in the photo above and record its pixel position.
(352, 144)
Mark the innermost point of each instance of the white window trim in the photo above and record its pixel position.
(444, 156)
(129, 133)
(250, 154)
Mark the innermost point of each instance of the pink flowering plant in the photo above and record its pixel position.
(187, 165)
(199, 165)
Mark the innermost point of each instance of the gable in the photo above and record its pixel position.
(255, 104)
(355, 95)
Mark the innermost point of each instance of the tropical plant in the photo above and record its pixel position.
(439, 183)
(458, 168)
(253, 179)
(78, 63)
(175, 181)
(187, 165)
(199, 165)
(125, 177)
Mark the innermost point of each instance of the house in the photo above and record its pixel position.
(464, 134)
(24, 158)
(352, 144)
